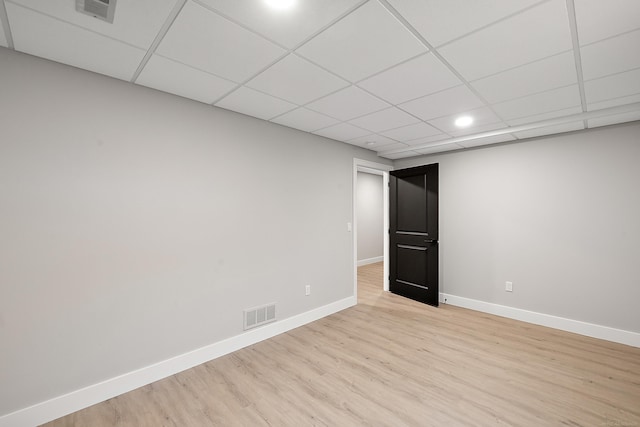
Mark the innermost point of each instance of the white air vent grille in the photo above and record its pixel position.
(101, 9)
(259, 315)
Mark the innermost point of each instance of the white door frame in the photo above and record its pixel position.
(377, 169)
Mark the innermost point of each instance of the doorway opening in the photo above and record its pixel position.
(372, 258)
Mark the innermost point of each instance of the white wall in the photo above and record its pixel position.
(369, 205)
(136, 226)
(558, 216)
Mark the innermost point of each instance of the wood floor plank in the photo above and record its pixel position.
(391, 361)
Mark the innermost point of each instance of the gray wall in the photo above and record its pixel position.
(558, 216)
(136, 226)
(370, 218)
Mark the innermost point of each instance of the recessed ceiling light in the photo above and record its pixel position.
(370, 143)
(463, 121)
(280, 4)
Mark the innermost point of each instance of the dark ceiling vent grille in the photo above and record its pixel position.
(101, 9)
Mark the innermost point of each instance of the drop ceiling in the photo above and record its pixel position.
(387, 75)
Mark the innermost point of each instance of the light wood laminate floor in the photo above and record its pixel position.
(392, 362)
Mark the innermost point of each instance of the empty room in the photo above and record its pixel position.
(319, 213)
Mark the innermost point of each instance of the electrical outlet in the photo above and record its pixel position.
(307, 290)
(508, 286)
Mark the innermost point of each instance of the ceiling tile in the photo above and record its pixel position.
(534, 34)
(440, 21)
(365, 42)
(394, 146)
(440, 148)
(429, 140)
(415, 78)
(201, 39)
(350, 142)
(296, 80)
(305, 120)
(49, 38)
(614, 102)
(287, 27)
(481, 116)
(487, 141)
(611, 56)
(342, 132)
(379, 142)
(135, 22)
(601, 19)
(566, 127)
(545, 116)
(545, 74)
(615, 86)
(444, 103)
(408, 133)
(347, 104)
(3, 39)
(479, 129)
(384, 120)
(173, 77)
(253, 103)
(539, 103)
(614, 119)
(396, 156)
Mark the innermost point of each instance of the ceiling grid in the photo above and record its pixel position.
(156, 41)
(391, 76)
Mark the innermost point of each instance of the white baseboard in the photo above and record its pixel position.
(59, 406)
(370, 260)
(564, 324)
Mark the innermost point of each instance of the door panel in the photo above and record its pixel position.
(413, 196)
(411, 260)
(412, 204)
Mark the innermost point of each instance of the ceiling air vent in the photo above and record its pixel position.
(101, 9)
